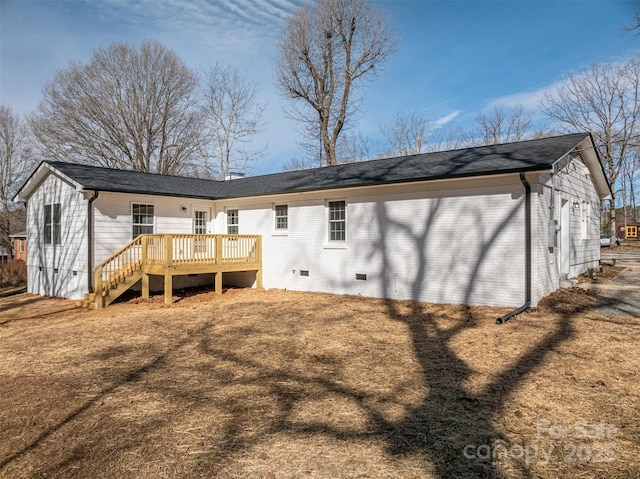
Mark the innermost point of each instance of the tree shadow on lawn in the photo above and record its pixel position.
(439, 429)
(453, 427)
(213, 377)
(249, 385)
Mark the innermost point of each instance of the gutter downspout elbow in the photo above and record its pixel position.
(527, 236)
(96, 193)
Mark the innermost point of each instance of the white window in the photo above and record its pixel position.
(21, 245)
(585, 220)
(142, 219)
(52, 224)
(232, 222)
(282, 217)
(337, 220)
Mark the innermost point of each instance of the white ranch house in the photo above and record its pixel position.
(498, 225)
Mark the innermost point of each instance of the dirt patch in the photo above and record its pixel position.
(628, 245)
(604, 274)
(280, 384)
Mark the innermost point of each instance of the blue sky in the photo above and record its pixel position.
(455, 59)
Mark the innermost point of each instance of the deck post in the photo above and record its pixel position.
(144, 242)
(168, 289)
(145, 286)
(168, 250)
(259, 261)
(217, 285)
(168, 260)
(218, 240)
(97, 288)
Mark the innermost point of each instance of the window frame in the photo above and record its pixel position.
(52, 230)
(585, 220)
(233, 213)
(330, 222)
(285, 217)
(152, 225)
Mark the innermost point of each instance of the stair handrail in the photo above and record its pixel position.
(111, 261)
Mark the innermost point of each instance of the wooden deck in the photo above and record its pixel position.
(169, 255)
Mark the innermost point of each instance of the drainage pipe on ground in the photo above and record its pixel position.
(527, 254)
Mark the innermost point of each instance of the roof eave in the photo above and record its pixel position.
(512, 171)
(43, 170)
(592, 160)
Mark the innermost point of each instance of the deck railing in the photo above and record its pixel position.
(174, 250)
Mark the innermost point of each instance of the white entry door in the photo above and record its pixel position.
(200, 221)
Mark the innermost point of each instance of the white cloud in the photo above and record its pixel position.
(529, 100)
(447, 118)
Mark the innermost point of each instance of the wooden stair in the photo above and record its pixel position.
(113, 287)
(168, 255)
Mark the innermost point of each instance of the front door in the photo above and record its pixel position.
(200, 221)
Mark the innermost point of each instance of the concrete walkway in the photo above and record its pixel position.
(620, 297)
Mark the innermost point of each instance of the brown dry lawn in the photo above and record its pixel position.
(279, 384)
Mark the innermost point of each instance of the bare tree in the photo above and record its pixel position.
(298, 163)
(353, 147)
(605, 100)
(633, 26)
(502, 126)
(127, 108)
(15, 163)
(409, 133)
(232, 116)
(327, 51)
(450, 136)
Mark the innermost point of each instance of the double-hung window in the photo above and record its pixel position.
(52, 224)
(232, 222)
(142, 219)
(282, 217)
(337, 220)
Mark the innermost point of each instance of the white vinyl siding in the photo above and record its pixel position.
(572, 184)
(113, 220)
(57, 254)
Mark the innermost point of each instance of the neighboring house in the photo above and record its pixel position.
(627, 229)
(494, 225)
(19, 241)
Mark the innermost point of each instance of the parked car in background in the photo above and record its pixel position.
(605, 240)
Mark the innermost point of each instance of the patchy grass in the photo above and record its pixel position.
(280, 384)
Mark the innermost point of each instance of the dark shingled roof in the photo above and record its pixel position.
(531, 155)
(125, 181)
